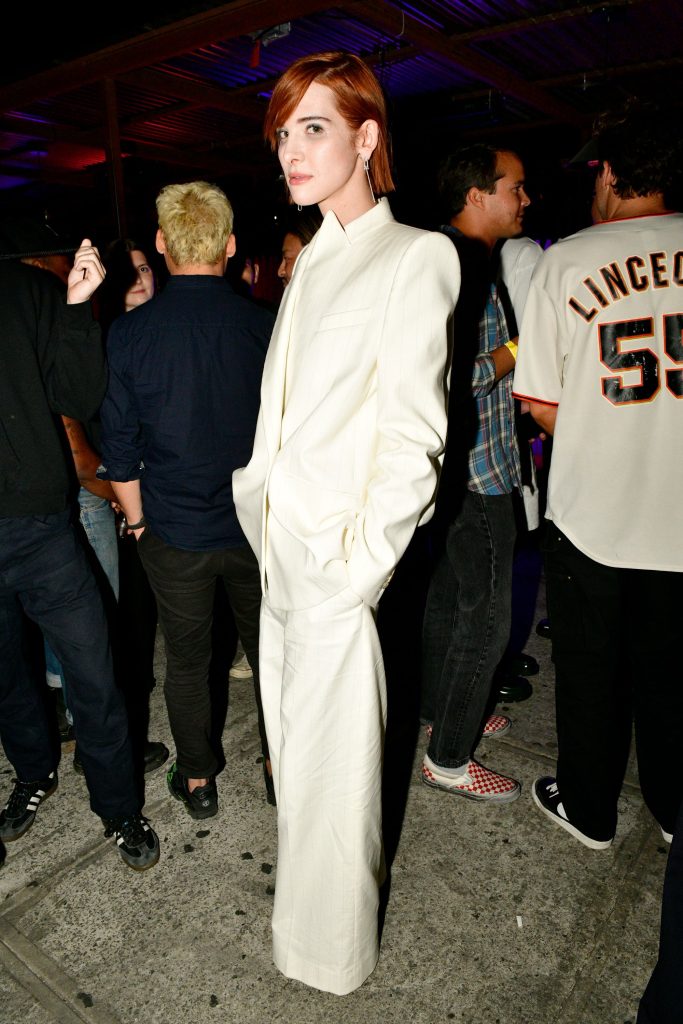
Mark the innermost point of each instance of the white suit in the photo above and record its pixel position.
(349, 440)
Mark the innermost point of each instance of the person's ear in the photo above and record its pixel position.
(475, 197)
(609, 178)
(160, 242)
(231, 247)
(367, 138)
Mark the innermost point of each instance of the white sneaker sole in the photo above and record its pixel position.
(592, 844)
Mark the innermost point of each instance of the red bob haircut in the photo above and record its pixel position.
(359, 98)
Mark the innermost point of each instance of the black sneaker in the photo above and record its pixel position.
(138, 843)
(547, 798)
(20, 812)
(202, 802)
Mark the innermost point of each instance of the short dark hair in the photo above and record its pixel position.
(465, 168)
(302, 223)
(121, 275)
(642, 144)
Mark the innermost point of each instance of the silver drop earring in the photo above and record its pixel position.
(298, 206)
(366, 166)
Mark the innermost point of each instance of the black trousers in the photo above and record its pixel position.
(662, 1002)
(616, 648)
(184, 584)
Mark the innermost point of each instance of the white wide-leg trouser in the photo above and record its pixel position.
(324, 703)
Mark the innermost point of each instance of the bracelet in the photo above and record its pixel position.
(512, 346)
(136, 526)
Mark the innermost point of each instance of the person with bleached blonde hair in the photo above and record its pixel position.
(179, 416)
(195, 224)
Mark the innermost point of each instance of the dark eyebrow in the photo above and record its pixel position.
(312, 117)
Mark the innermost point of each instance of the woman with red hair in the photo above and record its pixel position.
(350, 436)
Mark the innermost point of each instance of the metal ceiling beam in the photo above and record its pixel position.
(234, 19)
(507, 28)
(196, 94)
(402, 24)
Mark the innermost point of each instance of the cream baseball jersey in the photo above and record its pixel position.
(602, 338)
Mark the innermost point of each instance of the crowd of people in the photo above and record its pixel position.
(294, 461)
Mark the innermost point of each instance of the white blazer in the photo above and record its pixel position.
(352, 424)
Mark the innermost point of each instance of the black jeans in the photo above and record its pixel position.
(616, 648)
(662, 1001)
(184, 583)
(467, 624)
(43, 569)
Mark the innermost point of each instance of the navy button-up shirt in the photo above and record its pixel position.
(181, 406)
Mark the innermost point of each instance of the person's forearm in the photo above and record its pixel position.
(86, 460)
(545, 415)
(489, 368)
(129, 497)
(504, 361)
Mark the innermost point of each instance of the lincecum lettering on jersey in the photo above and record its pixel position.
(617, 280)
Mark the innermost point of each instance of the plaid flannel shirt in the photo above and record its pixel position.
(493, 465)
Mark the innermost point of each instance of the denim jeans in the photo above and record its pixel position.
(43, 569)
(184, 584)
(466, 624)
(97, 519)
(616, 649)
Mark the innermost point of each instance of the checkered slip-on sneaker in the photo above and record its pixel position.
(547, 798)
(475, 783)
(495, 726)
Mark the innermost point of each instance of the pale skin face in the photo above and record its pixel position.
(142, 290)
(322, 157)
(291, 247)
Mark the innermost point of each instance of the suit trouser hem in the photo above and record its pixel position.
(324, 700)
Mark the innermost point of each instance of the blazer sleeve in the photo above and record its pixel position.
(412, 384)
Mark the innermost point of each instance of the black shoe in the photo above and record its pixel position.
(3, 853)
(77, 763)
(138, 843)
(154, 756)
(514, 689)
(547, 798)
(522, 665)
(202, 802)
(20, 812)
(543, 628)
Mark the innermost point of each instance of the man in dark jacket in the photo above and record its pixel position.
(52, 363)
(178, 418)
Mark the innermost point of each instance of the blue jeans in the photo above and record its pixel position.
(43, 569)
(467, 624)
(98, 522)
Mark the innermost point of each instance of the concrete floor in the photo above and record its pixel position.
(494, 915)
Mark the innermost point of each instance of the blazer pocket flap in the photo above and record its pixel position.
(346, 318)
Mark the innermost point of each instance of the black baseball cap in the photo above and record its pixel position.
(587, 155)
